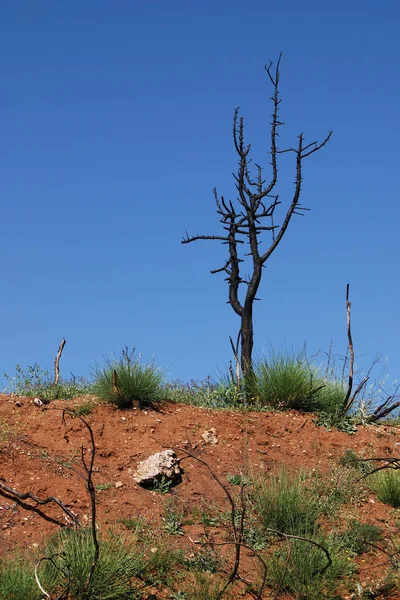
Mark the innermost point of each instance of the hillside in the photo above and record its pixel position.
(35, 445)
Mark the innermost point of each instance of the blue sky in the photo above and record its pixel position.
(115, 126)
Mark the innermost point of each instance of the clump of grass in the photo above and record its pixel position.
(338, 488)
(306, 574)
(286, 503)
(173, 518)
(17, 580)
(84, 409)
(35, 381)
(290, 382)
(206, 586)
(124, 380)
(119, 562)
(386, 485)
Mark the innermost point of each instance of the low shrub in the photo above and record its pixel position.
(133, 381)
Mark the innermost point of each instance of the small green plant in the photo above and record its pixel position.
(161, 486)
(337, 488)
(125, 380)
(17, 580)
(84, 409)
(207, 394)
(102, 487)
(344, 423)
(358, 537)
(204, 561)
(236, 479)
(286, 503)
(172, 520)
(206, 586)
(137, 525)
(5, 433)
(355, 461)
(386, 485)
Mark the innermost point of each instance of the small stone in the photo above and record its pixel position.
(37, 402)
(18, 403)
(119, 484)
(210, 436)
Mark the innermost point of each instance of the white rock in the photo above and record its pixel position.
(210, 436)
(160, 465)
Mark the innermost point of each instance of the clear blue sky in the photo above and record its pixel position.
(115, 124)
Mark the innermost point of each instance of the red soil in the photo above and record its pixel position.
(32, 437)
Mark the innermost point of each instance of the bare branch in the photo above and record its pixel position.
(188, 240)
(90, 487)
(14, 494)
(347, 402)
(57, 362)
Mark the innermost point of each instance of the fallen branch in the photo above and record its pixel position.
(13, 494)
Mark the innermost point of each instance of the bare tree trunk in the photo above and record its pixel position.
(247, 340)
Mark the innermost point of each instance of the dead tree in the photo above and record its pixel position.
(247, 221)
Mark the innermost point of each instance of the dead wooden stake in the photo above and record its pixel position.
(57, 361)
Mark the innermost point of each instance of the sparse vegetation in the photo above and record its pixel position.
(359, 537)
(36, 382)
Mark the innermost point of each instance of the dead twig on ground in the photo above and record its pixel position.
(19, 497)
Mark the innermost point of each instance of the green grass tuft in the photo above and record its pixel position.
(17, 580)
(290, 382)
(303, 575)
(119, 562)
(285, 503)
(134, 382)
(386, 485)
